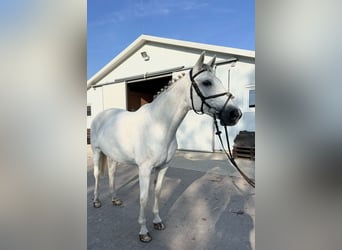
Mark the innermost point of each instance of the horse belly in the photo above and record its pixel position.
(120, 143)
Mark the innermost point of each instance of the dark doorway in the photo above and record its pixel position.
(142, 92)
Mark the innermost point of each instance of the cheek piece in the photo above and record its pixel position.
(204, 99)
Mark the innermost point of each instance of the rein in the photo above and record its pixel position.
(228, 153)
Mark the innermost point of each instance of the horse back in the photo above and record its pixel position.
(112, 132)
(102, 119)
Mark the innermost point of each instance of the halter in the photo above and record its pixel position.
(194, 85)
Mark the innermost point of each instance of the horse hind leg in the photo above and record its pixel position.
(157, 222)
(97, 159)
(111, 174)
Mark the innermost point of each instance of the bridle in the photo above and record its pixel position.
(203, 98)
(228, 153)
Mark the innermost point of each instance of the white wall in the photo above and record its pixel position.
(114, 96)
(196, 133)
(95, 100)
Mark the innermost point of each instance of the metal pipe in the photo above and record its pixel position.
(231, 60)
(156, 74)
(142, 76)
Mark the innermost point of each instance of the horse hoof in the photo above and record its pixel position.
(116, 202)
(97, 204)
(159, 226)
(145, 237)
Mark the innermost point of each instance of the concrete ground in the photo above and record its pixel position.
(204, 204)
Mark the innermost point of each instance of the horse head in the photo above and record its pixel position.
(210, 96)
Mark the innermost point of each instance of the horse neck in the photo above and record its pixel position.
(170, 107)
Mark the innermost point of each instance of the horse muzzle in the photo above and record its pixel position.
(230, 115)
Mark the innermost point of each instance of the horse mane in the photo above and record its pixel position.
(169, 84)
(207, 68)
(180, 76)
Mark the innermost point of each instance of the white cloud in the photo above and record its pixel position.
(146, 8)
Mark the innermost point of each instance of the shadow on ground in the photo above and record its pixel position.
(201, 210)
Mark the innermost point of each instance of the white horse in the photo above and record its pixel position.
(147, 137)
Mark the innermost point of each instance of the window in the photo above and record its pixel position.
(88, 110)
(252, 98)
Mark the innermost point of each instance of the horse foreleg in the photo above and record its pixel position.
(157, 222)
(96, 160)
(111, 174)
(144, 182)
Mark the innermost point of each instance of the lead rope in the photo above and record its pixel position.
(229, 154)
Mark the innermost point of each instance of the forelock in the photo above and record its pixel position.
(208, 68)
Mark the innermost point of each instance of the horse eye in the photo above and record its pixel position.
(207, 83)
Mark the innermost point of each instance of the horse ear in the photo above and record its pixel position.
(212, 62)
(199, 63)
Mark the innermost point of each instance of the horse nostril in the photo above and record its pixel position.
(234, 114)
(230, 116)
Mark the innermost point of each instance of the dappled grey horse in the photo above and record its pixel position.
(147, 137)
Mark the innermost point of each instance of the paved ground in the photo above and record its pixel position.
(204, 205)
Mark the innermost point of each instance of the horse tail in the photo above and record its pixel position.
(102, 163)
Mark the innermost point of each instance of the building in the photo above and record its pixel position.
(133, 77)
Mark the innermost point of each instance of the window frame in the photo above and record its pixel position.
(249, 98)
(89, 111)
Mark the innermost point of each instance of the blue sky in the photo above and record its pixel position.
(112, 25)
